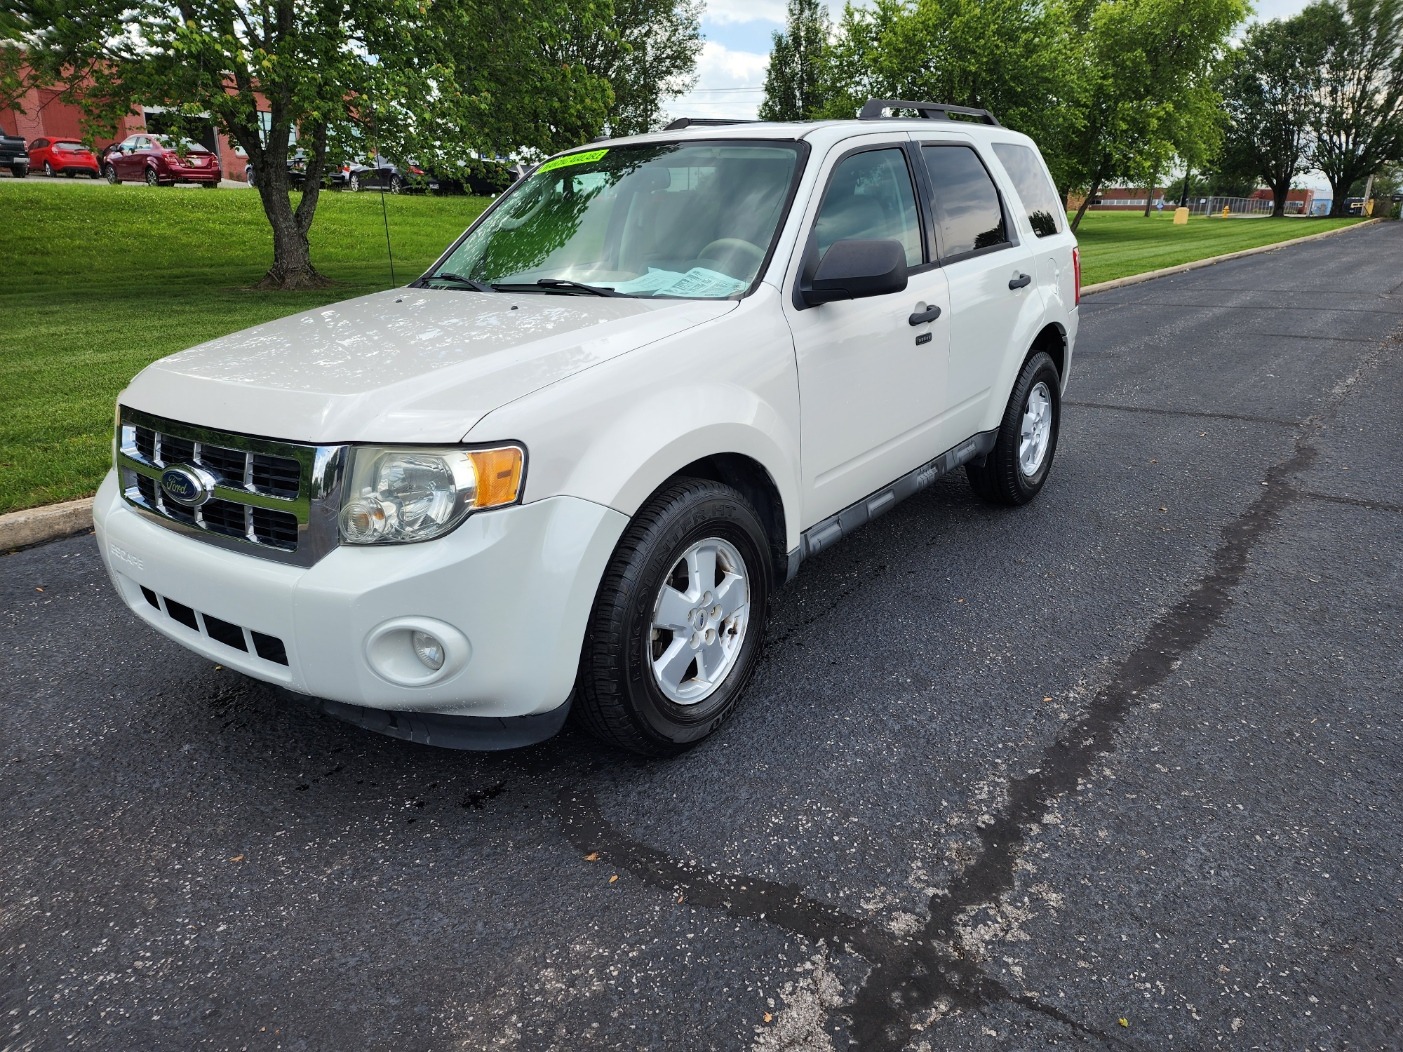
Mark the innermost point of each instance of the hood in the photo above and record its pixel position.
(408, 365)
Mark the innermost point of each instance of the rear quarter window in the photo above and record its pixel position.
(1030, 179)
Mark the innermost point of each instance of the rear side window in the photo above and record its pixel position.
(967, 208)
(1030, 180)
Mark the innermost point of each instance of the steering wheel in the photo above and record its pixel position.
(734, 256)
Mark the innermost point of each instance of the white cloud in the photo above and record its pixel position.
(726, 12)
(729, 84)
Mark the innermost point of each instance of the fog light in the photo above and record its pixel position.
(417, 651)
(428, 650)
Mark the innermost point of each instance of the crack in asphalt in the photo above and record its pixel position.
(1200, 414)
(911, 976)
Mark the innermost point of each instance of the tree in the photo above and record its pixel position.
(794, 78)
(1266, 89)
(1149, 66)
(396, 71)
(646, 53)
(958, 51)
(1357, 112)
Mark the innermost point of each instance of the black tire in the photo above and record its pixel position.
(110, 174)
(152, 179)
(1000, 479)
(617, 697)
(48, 169)
(211, 186)
(19, 171)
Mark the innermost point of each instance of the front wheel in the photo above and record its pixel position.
(396, 184)
(1017, 467)
(110, 174)
(353, 184)
(678, 622)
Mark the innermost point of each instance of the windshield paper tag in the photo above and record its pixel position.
(574, 158)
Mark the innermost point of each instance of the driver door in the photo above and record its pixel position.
(872, 371)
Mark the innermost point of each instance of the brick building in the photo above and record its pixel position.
(47, 113)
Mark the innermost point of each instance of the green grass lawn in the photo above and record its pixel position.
(102, 280)
(1116, 245)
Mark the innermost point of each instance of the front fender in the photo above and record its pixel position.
(615, 433)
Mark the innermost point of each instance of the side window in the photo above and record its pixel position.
(870, 196)
(1034, 188)
(967, 206)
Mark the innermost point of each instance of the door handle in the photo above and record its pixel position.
(923, 316)
(1020, 281)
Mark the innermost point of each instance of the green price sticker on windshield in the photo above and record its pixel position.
(574, 158)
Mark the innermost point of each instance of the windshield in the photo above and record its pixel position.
(674, 219)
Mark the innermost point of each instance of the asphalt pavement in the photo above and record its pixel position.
(1116, 770)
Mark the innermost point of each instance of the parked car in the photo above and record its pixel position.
(296, 171)
(486, 178)
(159, 160)
(380, 174)
(565, 469)
(14, 155)
(63, 157)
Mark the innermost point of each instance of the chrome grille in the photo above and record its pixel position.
(277, 500)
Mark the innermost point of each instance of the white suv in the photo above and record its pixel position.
(566, 468)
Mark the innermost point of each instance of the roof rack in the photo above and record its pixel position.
(704, 122)
(875, 109)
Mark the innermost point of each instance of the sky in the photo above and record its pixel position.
(731, 71)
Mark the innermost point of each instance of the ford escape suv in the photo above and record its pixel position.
(566, 468)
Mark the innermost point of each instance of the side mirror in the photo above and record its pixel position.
(855, 269)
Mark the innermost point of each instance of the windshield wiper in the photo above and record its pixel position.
(563, 284)
(458, 279)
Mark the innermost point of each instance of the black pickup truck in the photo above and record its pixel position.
(13, 155)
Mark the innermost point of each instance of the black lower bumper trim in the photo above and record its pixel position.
(484, 733)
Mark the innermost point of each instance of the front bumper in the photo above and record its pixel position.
(509, 592)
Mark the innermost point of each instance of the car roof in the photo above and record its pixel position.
(823, 133)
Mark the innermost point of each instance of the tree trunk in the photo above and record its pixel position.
(1339, 206)
(1150, 193)
(292, 255)
(1086, 202)
(1279, 190)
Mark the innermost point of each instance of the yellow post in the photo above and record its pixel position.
(1225, 211)
(1181, 216)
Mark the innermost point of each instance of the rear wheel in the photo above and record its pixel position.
(19, 171)
(678, 623)
(48, 169)
(152, 179)
(1016, 469)
(396, 184)
(353, 184)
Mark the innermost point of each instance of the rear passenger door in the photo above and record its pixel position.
(995, 306)
(871, 371)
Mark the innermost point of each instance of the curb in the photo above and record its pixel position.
(1183, 268)
(19, 529)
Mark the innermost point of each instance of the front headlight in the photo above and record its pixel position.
(396, 496)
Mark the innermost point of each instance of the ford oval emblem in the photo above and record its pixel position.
(187, 485)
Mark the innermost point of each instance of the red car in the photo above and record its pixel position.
(63, 157)
(159, 161)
